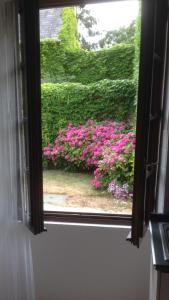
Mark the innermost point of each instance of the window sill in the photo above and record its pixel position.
(160, 263)
(87, 218)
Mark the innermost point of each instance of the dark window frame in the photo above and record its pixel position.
(80, 217)
(90, 218)
(149, 118)
(30, 44)
(144, 194)
(44, 4)
(150, 114)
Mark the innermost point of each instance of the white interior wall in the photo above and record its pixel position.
(73, 262)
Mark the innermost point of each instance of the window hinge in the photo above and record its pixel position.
(23, 120)
(27, 171)
(22, 66)
(155, 117)
(129, 237)
(150, 168)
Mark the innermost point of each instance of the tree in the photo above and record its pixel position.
(122, 35)
(87, 22)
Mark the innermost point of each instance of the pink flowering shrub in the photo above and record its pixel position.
(106, 149)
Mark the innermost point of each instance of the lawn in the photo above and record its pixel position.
(79, 194)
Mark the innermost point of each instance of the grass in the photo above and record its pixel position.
(80, 193)
(61, 182)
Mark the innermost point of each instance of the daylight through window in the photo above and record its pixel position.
(89, 78)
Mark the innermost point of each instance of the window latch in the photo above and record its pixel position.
(23, 120)
(150, 168)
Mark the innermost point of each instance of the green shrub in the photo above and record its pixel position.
(83, 66)
(137, 45)
(106, 148)
(69, 32)
(76, 103)
(52, 57)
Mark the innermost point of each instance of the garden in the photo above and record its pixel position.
(88, 123)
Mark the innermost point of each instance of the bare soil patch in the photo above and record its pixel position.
(80, 195)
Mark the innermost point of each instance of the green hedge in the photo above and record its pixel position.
(137, 46)
(74, 102)
(60, 65)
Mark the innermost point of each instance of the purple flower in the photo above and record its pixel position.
(119, 192)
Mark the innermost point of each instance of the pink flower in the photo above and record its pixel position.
(96, 183)
(95, 147)
(67, 156)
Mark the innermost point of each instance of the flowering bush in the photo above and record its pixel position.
(119, 192)
(106, 148)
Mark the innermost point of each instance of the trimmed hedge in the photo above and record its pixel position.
(76, 103)
(60, 65)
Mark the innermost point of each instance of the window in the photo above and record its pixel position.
(149, 116)
(29, 41)
(85, 96)
(150, 112)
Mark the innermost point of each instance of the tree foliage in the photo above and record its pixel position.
(137, 45)
(87, 22)
(69, 32)
(122, 35)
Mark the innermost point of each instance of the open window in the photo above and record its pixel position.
(149, 117)
(30, 115)
(150, 113)
(76, 159)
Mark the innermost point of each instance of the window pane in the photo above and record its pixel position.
(89, 70)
